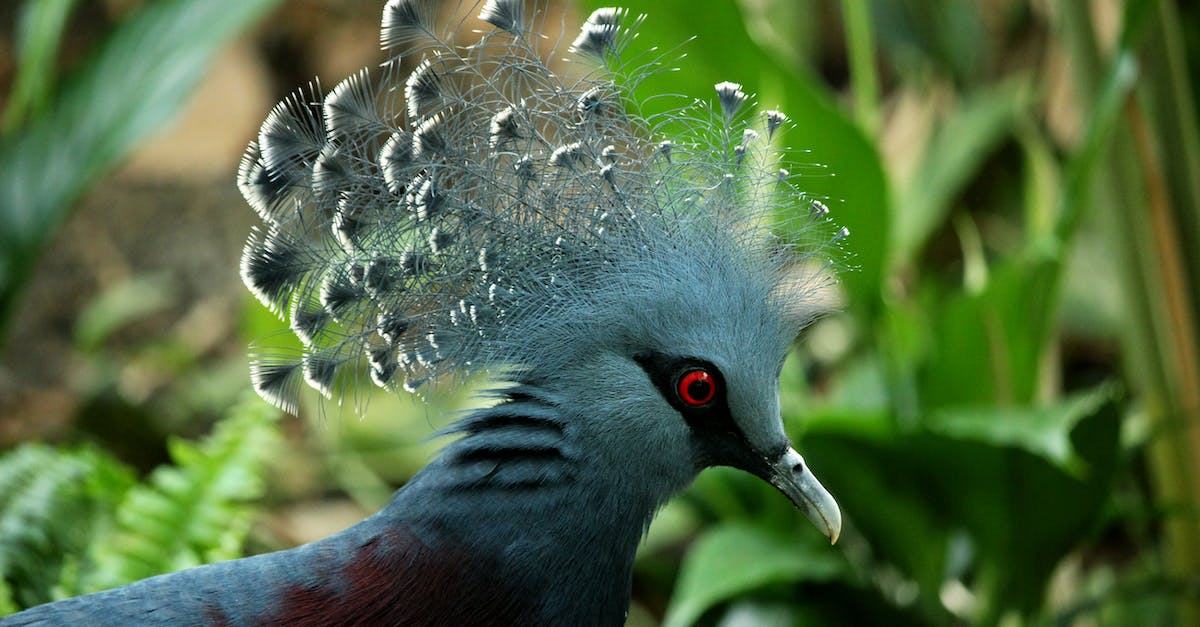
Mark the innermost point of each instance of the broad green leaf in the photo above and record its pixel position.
(786, 29)
(965, 353)
(886, 490)
(1043, 431)
(1024, 513)
(910, 492)
(733, 559)
(135, 82)
(1019, 310)
(864, 77)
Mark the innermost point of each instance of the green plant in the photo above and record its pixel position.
(54, 501)
(59, 137)
(971, 461)
(75, 521)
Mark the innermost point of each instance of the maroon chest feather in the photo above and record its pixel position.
(395, 579)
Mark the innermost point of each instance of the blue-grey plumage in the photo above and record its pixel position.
(624, 289)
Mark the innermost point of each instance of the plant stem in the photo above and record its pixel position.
(1160, 347)
(861, 49)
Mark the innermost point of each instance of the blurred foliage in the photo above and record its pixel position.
(1007, 409)
(75, 520)
(195, 511)
(60, 135)
(973, 462)
(54, 500)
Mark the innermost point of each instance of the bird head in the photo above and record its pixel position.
(503, 217)
(679, 354)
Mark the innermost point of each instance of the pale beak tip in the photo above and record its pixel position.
(830, 516)
(795, 480)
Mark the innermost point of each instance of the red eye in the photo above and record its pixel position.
(697, 388)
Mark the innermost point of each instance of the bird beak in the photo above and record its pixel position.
(790, 475)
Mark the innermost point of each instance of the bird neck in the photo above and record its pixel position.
(522, 492)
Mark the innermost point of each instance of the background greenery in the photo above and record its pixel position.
(1008, 408)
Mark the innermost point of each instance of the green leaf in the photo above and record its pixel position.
(988, 347)
(132, 85)
(730, 560)
(882, 482)
(194, 512)
(39, 29)
(1088, 160)
(7, 604)
(951, 160)
(1042, 181)
(1024, 513)
(1043, 431)
(122, 304)
(947, 36)
(51, 503)
(860, 48)
(909, 492)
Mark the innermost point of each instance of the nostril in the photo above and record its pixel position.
(798, 468)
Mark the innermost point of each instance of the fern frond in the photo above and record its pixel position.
(51, 503)
(193, 512)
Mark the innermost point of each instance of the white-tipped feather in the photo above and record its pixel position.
(407, 23)
(506, 15)
(475, 213)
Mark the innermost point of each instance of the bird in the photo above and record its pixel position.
(627, 282)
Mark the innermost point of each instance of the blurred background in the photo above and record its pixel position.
(1007, 408)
